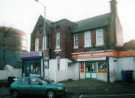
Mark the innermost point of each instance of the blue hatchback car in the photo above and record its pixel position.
(35, 85)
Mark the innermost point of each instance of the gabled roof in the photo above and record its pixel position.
(39, 25)
(63, 22)
(91, 23)
(82, 25)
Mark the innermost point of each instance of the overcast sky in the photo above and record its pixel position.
(23, 14)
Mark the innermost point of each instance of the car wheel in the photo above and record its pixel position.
(50, 94)
(15, 94)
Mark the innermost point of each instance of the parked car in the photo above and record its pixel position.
(35, 85)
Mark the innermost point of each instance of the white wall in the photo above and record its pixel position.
(113, 68)
(118, 64)
(52, 69)
(73, 71)
(4, 74)
(66, 71)
(127, 63)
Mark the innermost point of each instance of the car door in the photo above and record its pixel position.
(38, 87)
(24, 86)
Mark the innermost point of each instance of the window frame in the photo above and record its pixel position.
(36, 44)
(58, 40)
(76, 41)
(100, 42)
(87, 39)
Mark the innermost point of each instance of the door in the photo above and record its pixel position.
(90, 70)
(24, 86)
(37, 86)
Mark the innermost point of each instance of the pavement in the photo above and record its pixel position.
(92, 87)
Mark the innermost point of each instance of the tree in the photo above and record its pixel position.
(130, 45)
(9, 41)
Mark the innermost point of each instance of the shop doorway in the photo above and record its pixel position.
(90, 70)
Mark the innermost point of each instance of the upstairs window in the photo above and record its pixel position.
(99, 37)
(76, 41)
(58, 40)
(87, 39)
(37, 44)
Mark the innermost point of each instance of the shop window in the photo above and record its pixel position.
(102, 67)
(90, 67)
(82, 67)
(35, 68)
(31, 67)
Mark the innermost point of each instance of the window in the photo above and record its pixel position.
(37, 44)
(76, 41)
(58, 40)
(87, 39)
(82, 67)
(102, 67)
(99, 37)
(90, 67)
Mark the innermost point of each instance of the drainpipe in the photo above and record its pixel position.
(108, 70)
(79, 69)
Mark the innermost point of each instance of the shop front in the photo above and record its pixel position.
(31, 63)
(95, 64)
(105, 65)
(93, 70)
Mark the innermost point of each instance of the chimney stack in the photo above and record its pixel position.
(113, 6)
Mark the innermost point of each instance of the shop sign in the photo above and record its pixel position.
(31, 54)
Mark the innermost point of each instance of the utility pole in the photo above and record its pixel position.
(44, 42)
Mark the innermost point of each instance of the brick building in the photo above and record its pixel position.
(89, 48)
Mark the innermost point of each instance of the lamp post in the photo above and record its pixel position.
(44, 41)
